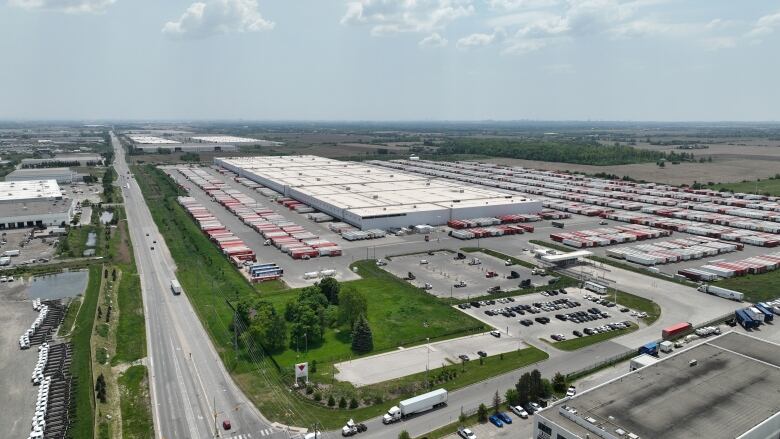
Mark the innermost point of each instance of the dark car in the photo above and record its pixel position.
(504, 417)
(577, 333)
(495, 420)
(226, 424)
(482, 353)
(526, 322)
(463, 357)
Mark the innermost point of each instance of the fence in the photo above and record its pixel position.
(601, 365)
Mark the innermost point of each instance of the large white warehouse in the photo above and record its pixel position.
(371, 197)
(33, 203)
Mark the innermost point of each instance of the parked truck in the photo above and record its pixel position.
(417, 404)
(175, 287)
(745, 319)
(721, 292)
(676, 330)
(649, 349)
(762, 313)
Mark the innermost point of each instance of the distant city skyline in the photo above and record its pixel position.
(390, 60)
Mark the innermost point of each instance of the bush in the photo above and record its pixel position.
(309, 389)
(482, 413)
(317, 396)
(353, 404)
(404, 435)
(331, 401)
(342, 403)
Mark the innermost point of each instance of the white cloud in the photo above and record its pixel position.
(719, 43)
(68, 6)
(433, 40)
(512, 5)
(395, 16)
(218, 17)
(475, 40)
(765, 25)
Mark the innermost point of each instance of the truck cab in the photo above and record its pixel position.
(392, 415)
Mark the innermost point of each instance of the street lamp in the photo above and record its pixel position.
(427, 359)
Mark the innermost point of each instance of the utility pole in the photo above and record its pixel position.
(427, 359)
(216, 429)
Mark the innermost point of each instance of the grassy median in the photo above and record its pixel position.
(580, 342)
(136, 412)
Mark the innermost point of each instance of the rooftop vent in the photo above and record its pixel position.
(693, 363)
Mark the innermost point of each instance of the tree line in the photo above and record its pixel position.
(588, 152)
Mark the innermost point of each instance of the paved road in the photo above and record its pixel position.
(188, 380)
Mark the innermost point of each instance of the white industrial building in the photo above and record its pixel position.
(370, 197)
(82, 159)
(60, 175)
(725, 387)
(33, 204)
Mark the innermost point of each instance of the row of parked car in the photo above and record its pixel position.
(609, 304)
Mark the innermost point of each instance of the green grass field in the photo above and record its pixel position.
(637, 303)
(135, 404)
(70, 317)
(499, 255)
(756, 287)
(769, 186)
(394, 311)
(83, 424)
(573, 344)
(131, 330)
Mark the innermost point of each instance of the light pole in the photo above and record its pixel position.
(427, 358)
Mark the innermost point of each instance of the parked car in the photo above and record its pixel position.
(495, 333)
(495, 420)
(482, 353)
(423, 261)
(571, 391)
(463, 357)
(226, 424)
(519, 411)
(465, 433)
(504, 417)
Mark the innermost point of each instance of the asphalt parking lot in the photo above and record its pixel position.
(538, 307)
(402, 362)
(16, 365)
(29, 248)
(442, 271)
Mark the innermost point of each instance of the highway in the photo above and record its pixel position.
(189, 383)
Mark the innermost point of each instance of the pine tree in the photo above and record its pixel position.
(362, 338)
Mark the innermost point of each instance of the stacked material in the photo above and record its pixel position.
(231, 246)
(487, 232)
(754, 265)
(608, 236)
(675, 250)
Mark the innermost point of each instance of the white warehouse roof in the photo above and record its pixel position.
(13, 191)
(358, 193)
(150, 140)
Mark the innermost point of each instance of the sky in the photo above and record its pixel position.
(641, 60)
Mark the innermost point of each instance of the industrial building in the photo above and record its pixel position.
(76, 159)
(234, 140)
(726, 387)
(371, 197)
(33, 203)
(60, 175)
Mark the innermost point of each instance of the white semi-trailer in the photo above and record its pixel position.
(721, 292)
(417, 404)
(175, 287)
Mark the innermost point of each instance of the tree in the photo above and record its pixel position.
(362, 338)
(512, 397)
(331, 401)
(342, 403)
(352, 304)
(353, 404)
(559, 382)
(306, 329)
(330, 287)
(404, 435)
(523, 387)
(482, 413)
(496, 402)
(100, 388)
(535, 389)
(313, 366)
(267, 326)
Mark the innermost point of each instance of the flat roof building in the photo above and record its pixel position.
(725, 387)
(60, 175)
(33, 204)
(369, 197)
(75, 159)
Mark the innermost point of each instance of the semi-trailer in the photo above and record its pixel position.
(676, 330)
(768, 314)
(175, 287)
(417, 404)
(745, 319)
(721, 292)
(649, 349)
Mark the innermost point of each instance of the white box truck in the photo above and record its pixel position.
(721, 292)
(175, 287)
(666, 346)
(417, 404)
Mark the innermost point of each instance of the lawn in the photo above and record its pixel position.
(70, 317)
(580, 342)
(756, 287)
(769, 186)
(135, 404)
(83, 424)
(131, 330)
(637, 303)
(552, 245)
(394, 311)
(499, 256)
